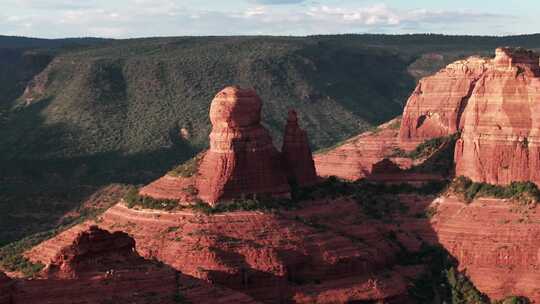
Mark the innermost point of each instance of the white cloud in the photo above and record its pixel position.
(138, 18)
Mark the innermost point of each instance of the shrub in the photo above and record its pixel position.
(523, 192)
(132, 199)
(513, 300)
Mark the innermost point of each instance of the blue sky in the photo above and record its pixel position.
(142, 18)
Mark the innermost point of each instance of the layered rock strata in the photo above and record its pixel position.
(495, 242)
(242, 160)
(297, 157)
(323, 252)
(354, 158)
(500, 142)
(436, 106)
(94, 266)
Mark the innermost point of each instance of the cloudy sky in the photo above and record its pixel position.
(142, 18)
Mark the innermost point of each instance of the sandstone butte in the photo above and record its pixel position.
(241, 160)
(493, 102)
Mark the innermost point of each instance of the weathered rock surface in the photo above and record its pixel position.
(354, 158)
(495, 242)
(312, 255)
(5, 289)
(169, 187)
(436, 106)
(91, 265)
(494, 103)
(500, 141)
(297, 157)
(242, 158)
(92, 250)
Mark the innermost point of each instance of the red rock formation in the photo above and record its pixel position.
(170, 187)
(95, 266)
(266, 255)
(436, 106)
(355, 158)
(500, 141)
(241, 159)
(92, 250)
(5, 289)
(296, 152)
(495, 242)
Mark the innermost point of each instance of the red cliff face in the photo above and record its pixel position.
(436, 106)
(501, 133)
(495, 242)
(5, 289)
(296, 152)
(495, 103)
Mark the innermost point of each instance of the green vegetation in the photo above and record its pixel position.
(426, 148)
(133, 199)
(187, 169)
(513, 300)
(523, 192)
(376, 200)
(11, 258)
(442, 283)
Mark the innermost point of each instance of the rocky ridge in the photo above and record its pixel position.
(93, 259)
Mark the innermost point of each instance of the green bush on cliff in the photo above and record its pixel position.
(523, 192)
(513, 300)
(133, 199)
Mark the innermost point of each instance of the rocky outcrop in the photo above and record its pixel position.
(494, 103)
(91, 251)
(355, 158)
(436, 106)
(321, 252)
(495, 242)
(500, 142)
(6, 289)
(96, 266)
(242, 159)
(297, 157)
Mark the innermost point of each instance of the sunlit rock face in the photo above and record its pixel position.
(242, 158)
(501, 124)
(436, 106)
(495, 103)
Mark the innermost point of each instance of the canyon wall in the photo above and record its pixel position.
(500, 142)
